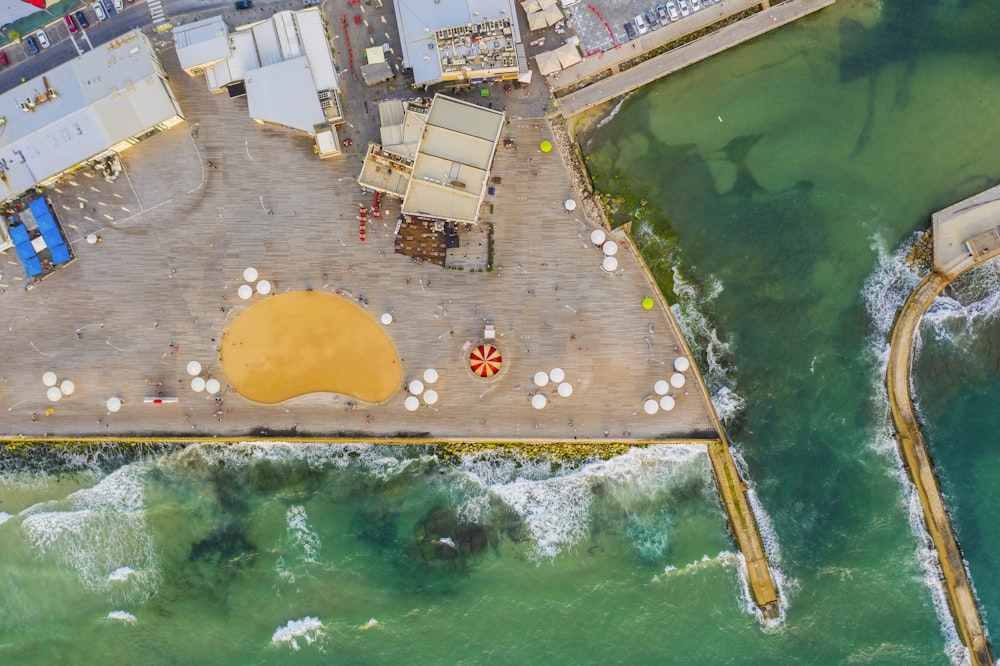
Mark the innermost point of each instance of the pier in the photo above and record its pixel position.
(963, 236)
(619, 80)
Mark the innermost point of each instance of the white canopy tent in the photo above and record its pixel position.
(54, 394)
(651, 406)
(114, 404)
(430, 376)
(661, 387)
(667, 403)
(681, 364)
(213, 386)
(411, 403)
(430, 396)
(245, 291)
(416, 387)
(538, 401)
(194, 368)
(67, 387)
(557, 375)
(541, 378)
(50, 378)
(597, 237)
(250, 274)
(264, 287)
(677, 380)
(610, 248)
(565, 389)
(610, 264)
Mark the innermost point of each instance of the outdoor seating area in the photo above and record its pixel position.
(48, 237)
(422, 240)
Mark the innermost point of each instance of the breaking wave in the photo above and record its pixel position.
(308, 629)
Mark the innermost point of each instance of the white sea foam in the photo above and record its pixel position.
(974, 298)
(556, 510)
(303, 538)
(103, 529)
(122, 616)
(309, 629)
(4, 517)
(120, 574)
(614, 112)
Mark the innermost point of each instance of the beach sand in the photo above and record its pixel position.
(307, 342)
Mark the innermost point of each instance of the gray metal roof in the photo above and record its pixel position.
(283, 94)
(102, 97)
(202, 42)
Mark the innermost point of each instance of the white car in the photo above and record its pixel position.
(99, 10)
(640, 24)
(119, 5)
(696, 5)
(685, 7)
(43, 39)
(672, 10)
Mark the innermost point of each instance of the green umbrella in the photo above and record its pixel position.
(647, 303)
(546, 146)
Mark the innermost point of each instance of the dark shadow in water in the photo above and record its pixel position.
(737, 151)
(866, 129)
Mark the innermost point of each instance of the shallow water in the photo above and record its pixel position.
(790, 171)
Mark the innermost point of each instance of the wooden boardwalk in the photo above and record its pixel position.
(913, 448)
(659, 66)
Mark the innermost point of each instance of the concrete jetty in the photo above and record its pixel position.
(956, 250)
(618, 80)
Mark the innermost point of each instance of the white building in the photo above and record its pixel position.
(102, 101)
(283, 64)
(437, 159)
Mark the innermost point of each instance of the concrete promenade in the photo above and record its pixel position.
(913, 448)
(659, 66)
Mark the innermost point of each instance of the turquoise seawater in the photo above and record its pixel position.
(793, 172)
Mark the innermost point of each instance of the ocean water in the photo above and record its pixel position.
(784, 181)
(775, 190)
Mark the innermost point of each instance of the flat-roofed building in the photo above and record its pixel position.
(282, 64)
(102, 101)
(460, 41)
(445, 177)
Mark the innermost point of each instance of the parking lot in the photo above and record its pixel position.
(594, 34)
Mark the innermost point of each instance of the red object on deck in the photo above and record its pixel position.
(594, 9)
(350, 54)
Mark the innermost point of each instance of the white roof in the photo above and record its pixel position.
(419, 19)
(452, 161)
(105, 96)
(283, 94)
(202, 43)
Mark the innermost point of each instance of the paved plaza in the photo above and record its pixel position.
(159, 290)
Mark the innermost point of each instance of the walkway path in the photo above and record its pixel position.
(913, 449)
(679, 58)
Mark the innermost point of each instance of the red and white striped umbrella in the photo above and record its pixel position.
(485, 360)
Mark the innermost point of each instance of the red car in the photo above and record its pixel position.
(3, 58)
(70, 23)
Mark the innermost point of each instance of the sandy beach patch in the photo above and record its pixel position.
(307, 342)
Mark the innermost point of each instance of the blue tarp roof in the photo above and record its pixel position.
(33, 266)
(60, 253)
(25, 250)
(46, 223)
(19, 234)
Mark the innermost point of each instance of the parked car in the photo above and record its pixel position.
(244, 4)
(684, 7)
(695, 5)
(640, 24)
(70, 23)
(651, 21)
(43, 39)
(119, 5)
(81, 18)
(32, 45)
(672, 11)
(661, 13)
(630, 30)
(3, 58)
(99, 10)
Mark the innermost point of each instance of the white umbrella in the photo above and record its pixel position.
(610, 247)
(250, 274)
(54, 394)
(541, 378)
(565, 389)
(666, 403)
(386, 318)
(213, 386)
(245, 291)
(661, 387)
(416, 387)
(430, 396)
(198, 384)
(411, 403)
(92, 239)
(49, 378)
(430, 375)
(194, 368)
(264, 287)
(597, 237)
(570, 205)
(557, 375)
(67, 387)
(651, 406)
(681, 364)
(609, 265)
(114, 404)
(677, 380)
(538, 401)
